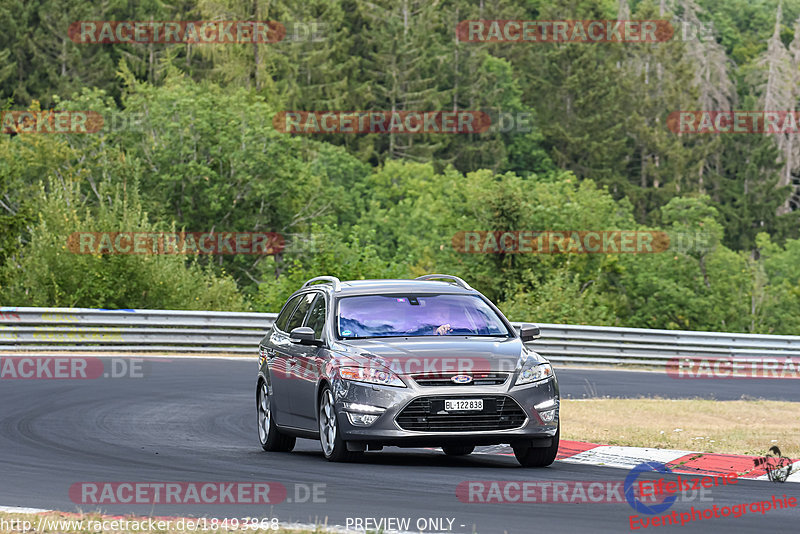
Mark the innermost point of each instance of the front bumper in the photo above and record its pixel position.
(386, 430)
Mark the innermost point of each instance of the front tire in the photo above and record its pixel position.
(458, 450)
(272, 439)
(333, 446)
(538, 456)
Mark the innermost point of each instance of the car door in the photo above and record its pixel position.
(293, 375)
(310, 360)
(274, 347)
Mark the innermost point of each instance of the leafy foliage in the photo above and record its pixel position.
(189, 144)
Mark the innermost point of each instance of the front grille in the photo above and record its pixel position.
(478, 379)
(426, 414)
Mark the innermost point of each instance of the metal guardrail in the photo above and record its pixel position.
(163, 331)
(654, 348)
(180, 332)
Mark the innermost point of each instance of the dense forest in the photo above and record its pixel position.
(190, 143)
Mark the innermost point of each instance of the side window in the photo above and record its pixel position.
(280, 322)
(300, 312)
(316, 319)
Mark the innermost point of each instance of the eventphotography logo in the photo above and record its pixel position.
(630, 489)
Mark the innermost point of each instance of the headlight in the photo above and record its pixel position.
(371, 376)
(533, 371)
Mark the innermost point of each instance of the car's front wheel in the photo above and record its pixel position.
(271, 438)
(529, 456)
(333, 446)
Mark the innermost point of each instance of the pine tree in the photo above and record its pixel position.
(779, 93)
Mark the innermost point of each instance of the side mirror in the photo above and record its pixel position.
(304, 335)
(529, 332)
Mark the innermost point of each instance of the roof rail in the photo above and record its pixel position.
(450, 277)
(331, 279)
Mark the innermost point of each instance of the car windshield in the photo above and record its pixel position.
(417, 315)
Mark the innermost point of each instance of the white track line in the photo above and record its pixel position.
(625, 457)
(20, 510)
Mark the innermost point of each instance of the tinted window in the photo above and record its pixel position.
(316, 319)
(300, 312)
(280, 322)
(421, 315)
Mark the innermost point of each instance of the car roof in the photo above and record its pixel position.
(388, 286)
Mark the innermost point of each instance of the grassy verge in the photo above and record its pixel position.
(734, 427)
(65, 523)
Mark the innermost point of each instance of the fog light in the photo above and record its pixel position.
(548, 416)
(361, 419)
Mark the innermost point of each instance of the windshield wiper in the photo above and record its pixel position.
(371, 337)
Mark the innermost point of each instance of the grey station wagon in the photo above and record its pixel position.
(429, 362)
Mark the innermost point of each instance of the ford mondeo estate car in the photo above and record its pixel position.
(429, 362)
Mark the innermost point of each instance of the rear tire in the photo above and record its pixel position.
(538, 456)
(458, 450)
(272, 439)
(330, 438)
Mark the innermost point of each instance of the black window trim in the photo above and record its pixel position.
(289, 314)
(305, 317)
(320, 296)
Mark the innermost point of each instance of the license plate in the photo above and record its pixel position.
(463, 405)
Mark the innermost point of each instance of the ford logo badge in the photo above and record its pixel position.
(461, 379)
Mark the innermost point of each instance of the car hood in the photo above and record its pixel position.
(437, 355)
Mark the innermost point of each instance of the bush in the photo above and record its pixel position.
(45, 272)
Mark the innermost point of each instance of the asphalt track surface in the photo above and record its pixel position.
(194, 420)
